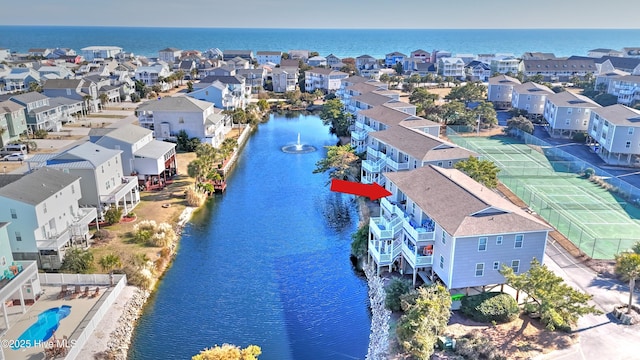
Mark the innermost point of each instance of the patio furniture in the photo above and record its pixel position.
(96, 293)
(63, 292)
(86, 292)
(76, 292)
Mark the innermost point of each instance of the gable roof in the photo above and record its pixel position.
(420, 145)
(9, 106)
(471, 210)
(225, 79)
(569, 99)
(570, 64)
(169, 49)
(62, 84)
(38, 186)
(176, 104)
(619, 114)
(531, 88)
(29, 97)
(372, 98)
(503, 80)
(84, 156)
(269, 53)
(128, 133)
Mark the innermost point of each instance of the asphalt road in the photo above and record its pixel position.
(601, 336)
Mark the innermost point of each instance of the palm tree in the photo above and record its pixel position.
(628, 265)
(180, 75)
(87, 99)
(108, 263)
(104, 98)
(194, 73)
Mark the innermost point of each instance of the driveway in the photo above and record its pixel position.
(601, 336)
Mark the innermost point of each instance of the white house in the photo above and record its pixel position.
(151, 75)
(91, 53)
(103, 183)
(451, 67)
(625, 88)
(219, 94)
(284, 80)
(169, 55)
(152, 161)
(44, 215)
(440, 224)
(20, 285)
(264, 57)
(327, 80)
(616, 131)
(509, 64)
(568, 113)
(200, 119)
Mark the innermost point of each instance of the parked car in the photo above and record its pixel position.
(14, 157)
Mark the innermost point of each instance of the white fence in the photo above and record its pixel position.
(86, 327)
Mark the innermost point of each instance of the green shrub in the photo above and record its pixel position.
(40, 134)
(113, 215)
(579, 137)
(476, 346)
(489, 307)
(396, 288)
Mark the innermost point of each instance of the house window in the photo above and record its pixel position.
(482, 244)
(480, 269)
(18, 236)
(444, 237)
(441, 262)
(627, 144)
(73, 189)
(440, 163)
(630, 131)
(515, 265)
(569, 110)
(499, 240)
(496, 265)
(14, 215)
(567, 122)
(44, 207)
(519, 239)
(450, 163)
(181, 120)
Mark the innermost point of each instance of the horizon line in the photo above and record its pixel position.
(309, 28)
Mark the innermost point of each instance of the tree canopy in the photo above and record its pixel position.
(426, 314)
(229, 352)
(559, 305)
(482, 171)
(333, 114)
(423, 100)
(341, 162)
(519, 122)
(77, 261)
(628, 266)
(471, 91)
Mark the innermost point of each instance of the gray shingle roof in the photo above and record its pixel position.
(181, 103)
(372, 99)
(38, 186)
(619, 115)
(531, 88)
(569, 99)
(420, 145)
(503, 80)
(128, 133)
(223, 79)
(430, 187)
(62, 84)
(29, 97)
(9, 107)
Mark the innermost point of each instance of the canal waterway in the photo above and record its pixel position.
(267, 263)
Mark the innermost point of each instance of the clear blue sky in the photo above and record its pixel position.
(428, 14)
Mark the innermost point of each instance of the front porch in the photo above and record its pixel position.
(125, 195)
(17, 290)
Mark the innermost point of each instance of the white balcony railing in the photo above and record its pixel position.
(373, 154)
(373, 166)
(385, 257)
(29, 271)
(414, 259)
(359, 135)
(396, 166)
(384, 228)
(418, 233)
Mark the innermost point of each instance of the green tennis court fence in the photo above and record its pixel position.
(589, 206)
(503, 151)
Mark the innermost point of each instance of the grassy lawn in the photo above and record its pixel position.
(149, 208)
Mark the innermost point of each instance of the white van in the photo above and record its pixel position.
(14, 148)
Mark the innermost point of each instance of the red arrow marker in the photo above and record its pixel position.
(372, 191)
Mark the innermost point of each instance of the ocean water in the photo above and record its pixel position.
(341, 42)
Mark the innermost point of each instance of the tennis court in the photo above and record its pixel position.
(594, 219)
